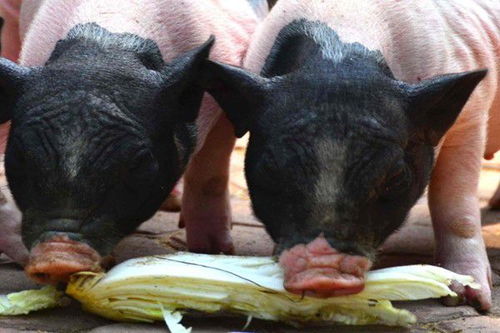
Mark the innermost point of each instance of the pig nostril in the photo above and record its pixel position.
(41, 276)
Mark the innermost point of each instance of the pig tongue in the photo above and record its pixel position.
(55, 260)
(318, 270)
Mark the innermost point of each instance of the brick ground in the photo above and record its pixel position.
(412, 244)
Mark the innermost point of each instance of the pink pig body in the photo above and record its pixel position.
(33, 27)
(421, 39)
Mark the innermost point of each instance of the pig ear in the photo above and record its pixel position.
(12, 77)
(436, 103)
(182, 77)
(239, 93)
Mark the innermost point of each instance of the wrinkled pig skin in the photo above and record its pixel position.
(353, 108)
(105, 118)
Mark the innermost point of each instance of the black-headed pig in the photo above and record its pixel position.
(105, 118)
(353, 107)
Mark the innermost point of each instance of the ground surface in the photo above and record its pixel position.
(412, 244)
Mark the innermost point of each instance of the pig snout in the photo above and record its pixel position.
(316, 269)
(58, 257)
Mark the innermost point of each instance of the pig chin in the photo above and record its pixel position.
(318, 270)
(55, 259)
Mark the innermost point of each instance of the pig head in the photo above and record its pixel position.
(339, 150)
(100, 134)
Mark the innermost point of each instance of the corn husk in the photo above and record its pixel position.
(145, 289)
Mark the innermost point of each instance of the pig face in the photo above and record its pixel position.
(343, 152)
(99, 135)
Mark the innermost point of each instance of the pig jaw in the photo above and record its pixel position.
(316, 269)
(57, 258)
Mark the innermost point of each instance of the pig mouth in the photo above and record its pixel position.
(56, 259)
(318, 270)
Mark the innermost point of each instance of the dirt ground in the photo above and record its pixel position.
(412, 244)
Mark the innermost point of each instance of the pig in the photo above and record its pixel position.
(353, 108)
(106, 115)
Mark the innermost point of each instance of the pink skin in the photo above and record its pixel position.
(413, 36)
(206, 212)
(316, 269)
(176, 26)
(11, 43)
(10, 241)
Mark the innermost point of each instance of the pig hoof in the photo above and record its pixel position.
(17, 253)
(207, 220)
(12, 246)
(477, 298)
(480, 299)
(11, 243)
(208, 236)
(210, 243)
(318, 270)
(172, 203)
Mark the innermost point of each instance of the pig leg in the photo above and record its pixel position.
(495, 200)
(10, 237)
(456, 216)
(206, 212)
(10, 218)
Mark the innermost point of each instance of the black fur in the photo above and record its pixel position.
(330, 115)
(100, 134)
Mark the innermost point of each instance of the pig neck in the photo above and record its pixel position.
(91, 44)
(313, 49)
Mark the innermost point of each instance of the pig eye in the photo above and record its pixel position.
(143, 163)
(140, 170)
(397, 182)
(137, 164)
